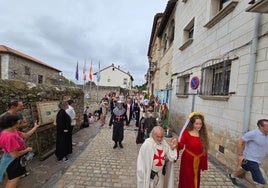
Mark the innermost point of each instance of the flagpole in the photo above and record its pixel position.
(98, 81)
(90, 77)
(84, 75)
(77, 73)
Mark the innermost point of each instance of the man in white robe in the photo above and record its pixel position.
(155, 153)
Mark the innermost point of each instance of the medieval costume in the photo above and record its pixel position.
(137, 114)
(118, 117)
(129, 111)
(63, 137)
(85, 118)
(194, 158)
(164, 115)
(148, 121)
(153, 170)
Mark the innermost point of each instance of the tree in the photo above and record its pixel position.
(141, 87)
(92, 83)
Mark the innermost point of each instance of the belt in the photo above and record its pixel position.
(195, 164)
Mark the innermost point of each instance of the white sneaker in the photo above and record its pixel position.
(64, 159)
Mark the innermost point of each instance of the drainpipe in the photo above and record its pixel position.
(253, 57)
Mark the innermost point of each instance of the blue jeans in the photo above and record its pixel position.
(255, 171)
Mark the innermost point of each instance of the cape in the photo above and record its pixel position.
(118, 111)
(145, 161)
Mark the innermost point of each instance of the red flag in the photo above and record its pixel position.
(84, 71)
(90, 72)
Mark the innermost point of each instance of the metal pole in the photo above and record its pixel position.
(193, 101)
(252, 63)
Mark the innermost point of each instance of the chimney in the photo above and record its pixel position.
(118, 66)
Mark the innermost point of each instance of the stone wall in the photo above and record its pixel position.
(43, 140)
(94, 94)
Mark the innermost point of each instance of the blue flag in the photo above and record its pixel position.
(76, 72)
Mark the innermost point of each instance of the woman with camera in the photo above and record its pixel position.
(14, 148)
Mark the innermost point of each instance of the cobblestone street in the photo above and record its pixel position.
(94, 163)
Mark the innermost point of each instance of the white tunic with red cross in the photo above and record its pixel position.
(158, 158)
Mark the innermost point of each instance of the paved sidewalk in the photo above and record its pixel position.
(94, 163)
(46, 173)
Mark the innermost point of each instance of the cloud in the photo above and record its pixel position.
(62, 32)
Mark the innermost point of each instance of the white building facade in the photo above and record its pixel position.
(220, 68)
(114, 77)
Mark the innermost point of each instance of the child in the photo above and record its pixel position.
(91, 118)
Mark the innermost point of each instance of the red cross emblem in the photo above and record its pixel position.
(118, 118)
(159, 157)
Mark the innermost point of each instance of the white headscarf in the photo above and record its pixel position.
(183, 128)
(187, 122)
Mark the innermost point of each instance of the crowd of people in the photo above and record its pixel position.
(154, 169)
(157, 154)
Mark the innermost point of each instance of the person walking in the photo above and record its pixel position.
(70, 111)
(156, 160)
(118, 118)
(129, 110)
(63, 139)
(85, 117)
(149, 121)
(103, 110)
(137, 113)
(164, 115)
(252, 147)
(194, 140)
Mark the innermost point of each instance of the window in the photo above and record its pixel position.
(40, 79)
(165, 43)
(125, 81)
(27, 70)
(222, 3)
(171, 32)
(108, 80)
(189, 31)
(188, 35)
(216, 79)
(182, 87)
(218, 9)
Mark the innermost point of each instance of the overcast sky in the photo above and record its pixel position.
(62, 32)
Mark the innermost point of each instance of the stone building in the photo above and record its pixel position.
(19, 66)
(219, 66)
(153, 55)
(160, 53)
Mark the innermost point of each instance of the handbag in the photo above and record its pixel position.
(26, 159)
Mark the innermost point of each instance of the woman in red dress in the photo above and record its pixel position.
(194, 141)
